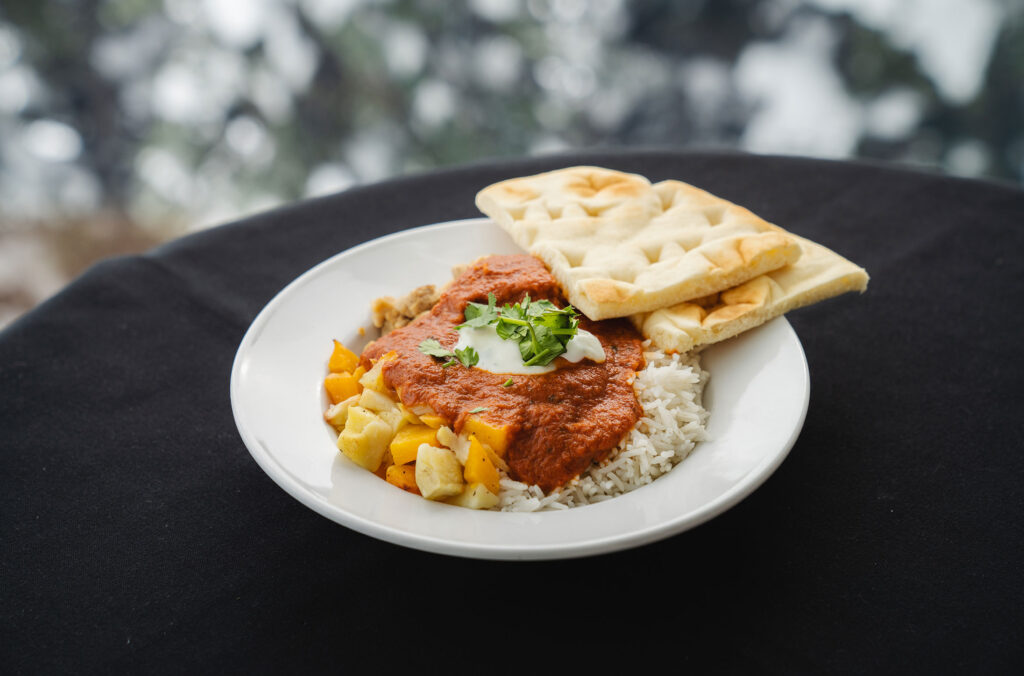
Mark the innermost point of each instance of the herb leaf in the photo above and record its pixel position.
(478, 409)
(467, 356)
(478, 315)
(433, 348)
(540, 329)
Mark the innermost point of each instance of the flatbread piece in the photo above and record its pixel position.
(619, 245)
(818, 274)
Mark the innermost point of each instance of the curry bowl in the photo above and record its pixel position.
(756, 397)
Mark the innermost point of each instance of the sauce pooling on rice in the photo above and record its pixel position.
(558, 422)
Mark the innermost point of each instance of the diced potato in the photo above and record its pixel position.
(446, 436)
(408, 440)
(495, 436)
(340, 386)
(377, 401)
(374, 378)
(479, 467)
(337, 414)
(474, 496)
(457, 442)
(365, 438)
(438, 472)
(403, 476)
(343, 360)
(393, 418)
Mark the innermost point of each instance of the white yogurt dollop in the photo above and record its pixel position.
(502, 356)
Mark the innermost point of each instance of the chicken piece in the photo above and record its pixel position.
(390, 313)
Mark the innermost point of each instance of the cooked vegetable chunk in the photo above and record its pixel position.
(495, 436)
(340, 386)
(365, 438)
(403, 476)
(408, 440)
(459, 443)
(337, 414)
(434, 421)
(343, 360)
(479, 468)
(408, 417)
(475, 496)
(376, 402)
(438, 472)
(374, 378)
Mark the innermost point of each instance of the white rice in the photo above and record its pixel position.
(669, 390)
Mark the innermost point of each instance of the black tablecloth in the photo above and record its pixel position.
(138, 535)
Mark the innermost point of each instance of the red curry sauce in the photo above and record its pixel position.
(558, 422)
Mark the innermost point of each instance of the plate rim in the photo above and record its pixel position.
(283, 478)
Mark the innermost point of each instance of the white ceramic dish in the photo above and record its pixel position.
(757, 398)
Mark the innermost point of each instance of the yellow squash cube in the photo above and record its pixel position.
(492, 434)
(407, 441)
(343, 360)
(340, 386)
(431, 420)
(408, 416)
(479, 467)
(403, 476)
(498, 461)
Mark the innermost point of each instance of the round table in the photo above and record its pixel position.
(137, 534)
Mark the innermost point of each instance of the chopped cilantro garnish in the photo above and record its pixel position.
(433, 348)
(467, 355)
(508, 383)
(540, 328)
(478, 409)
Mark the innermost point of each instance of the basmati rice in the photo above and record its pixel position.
(670, 390)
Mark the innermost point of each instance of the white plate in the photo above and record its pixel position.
(757, 398)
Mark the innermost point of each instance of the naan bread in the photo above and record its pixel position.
(619, 245)
(818, 274)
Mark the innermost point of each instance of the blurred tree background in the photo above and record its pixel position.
(124, 123)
